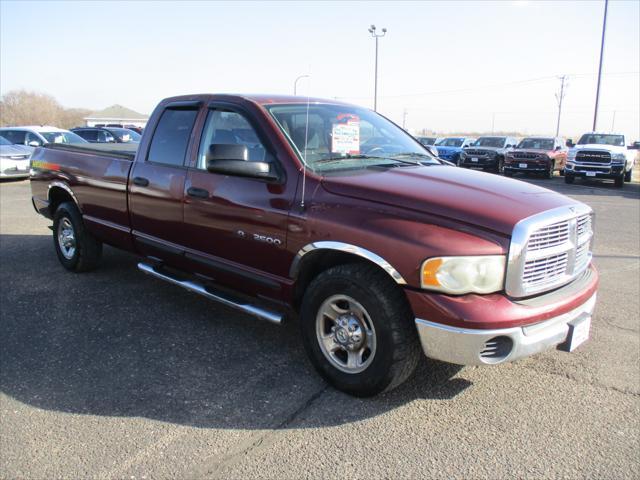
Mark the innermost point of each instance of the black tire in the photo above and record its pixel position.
(550, 171)
(561, 172)
(568, 178)
(628, 175)
(619, 181)
(87, 250)
(508, 173)
(499, 165)
(397, 347)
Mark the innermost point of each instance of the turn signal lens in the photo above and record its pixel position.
(459, 275)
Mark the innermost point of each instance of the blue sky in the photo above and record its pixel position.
(450, 65)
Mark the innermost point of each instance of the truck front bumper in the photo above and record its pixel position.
(480, 347)
(488, 329)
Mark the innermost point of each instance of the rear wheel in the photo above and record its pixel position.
(77, 249)
(358, 330)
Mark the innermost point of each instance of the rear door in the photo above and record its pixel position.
(156, 184)
(235, 227)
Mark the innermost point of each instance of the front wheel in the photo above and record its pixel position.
(628, 174)
(77, 249)
(500, 165)
(358, 330)
(568, 178)
(550, 170)
(619, 181)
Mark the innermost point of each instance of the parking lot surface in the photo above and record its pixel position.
(112, 374)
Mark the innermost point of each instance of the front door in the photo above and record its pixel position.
(236, 227)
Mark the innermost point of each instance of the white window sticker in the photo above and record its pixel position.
(345, 135)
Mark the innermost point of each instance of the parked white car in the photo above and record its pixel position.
(14, 159)
(601, 155)
(36, 136)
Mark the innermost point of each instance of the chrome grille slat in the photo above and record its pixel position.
(549, 250)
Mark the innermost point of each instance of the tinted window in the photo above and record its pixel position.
(104, 137)
(15, 136)
(227, 127)
(90, 135)
(170, 140)
(62, 137)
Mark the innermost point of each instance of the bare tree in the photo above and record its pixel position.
(20, 107)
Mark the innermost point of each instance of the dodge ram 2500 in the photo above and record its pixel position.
(330, 214)
(601, 155)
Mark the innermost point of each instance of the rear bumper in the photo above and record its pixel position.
(464, 346)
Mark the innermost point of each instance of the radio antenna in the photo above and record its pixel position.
(306, 140)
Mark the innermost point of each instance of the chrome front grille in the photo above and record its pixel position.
(549, 250)
(593, 156)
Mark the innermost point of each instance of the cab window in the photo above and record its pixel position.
(230, 128)
(171, 137)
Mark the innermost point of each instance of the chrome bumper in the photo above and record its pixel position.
(464, 346)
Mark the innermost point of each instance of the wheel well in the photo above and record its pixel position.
(58, 195)
(314, 263)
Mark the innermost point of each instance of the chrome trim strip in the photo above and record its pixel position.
(106, 223)
(63, 186)
(258, 312)
(463, 346)
(347, 248)
(518, 253)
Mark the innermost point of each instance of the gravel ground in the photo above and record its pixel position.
(113, 374)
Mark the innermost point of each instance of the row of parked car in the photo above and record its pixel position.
(17, 143)
(597, 155)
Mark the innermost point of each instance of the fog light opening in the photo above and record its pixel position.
(496, 350)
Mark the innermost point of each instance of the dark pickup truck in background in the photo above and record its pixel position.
(331, 214)
(487, 153)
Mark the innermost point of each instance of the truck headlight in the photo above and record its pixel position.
(618, 157)
(458, 275)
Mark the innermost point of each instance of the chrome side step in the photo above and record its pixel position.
(195, 287)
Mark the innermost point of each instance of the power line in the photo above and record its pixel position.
(559, 98)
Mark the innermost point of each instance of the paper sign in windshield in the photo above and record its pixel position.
(345, 135)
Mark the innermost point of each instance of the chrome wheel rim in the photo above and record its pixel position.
(66, 238)
(346, 334)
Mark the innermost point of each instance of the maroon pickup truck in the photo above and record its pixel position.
(328, 213)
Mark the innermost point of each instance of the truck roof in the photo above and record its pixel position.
(259, 98)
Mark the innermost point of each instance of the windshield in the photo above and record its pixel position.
(497, 142)
(427, 140)
(347, 137)
(62, 137)
(4, 141)
(450, 142)
(597, 139)
(537, 143)
(125, 135)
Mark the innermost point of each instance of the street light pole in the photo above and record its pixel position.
(372, 31)
(295, 83)
(604, 28)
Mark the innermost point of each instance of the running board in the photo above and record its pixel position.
(195, 287)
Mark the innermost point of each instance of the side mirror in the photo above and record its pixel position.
(634, 146)
(558, 147)
(34, 143)
(234, 160)
(570, 143)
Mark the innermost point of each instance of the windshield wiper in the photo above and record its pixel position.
(347, 157)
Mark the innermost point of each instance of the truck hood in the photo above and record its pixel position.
(476, 198)
(604, 148)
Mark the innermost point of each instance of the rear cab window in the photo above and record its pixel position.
(171, 136)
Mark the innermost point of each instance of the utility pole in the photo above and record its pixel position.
(404, 119)
(604, 28)
(372, 31)
(493, 121)
(613, 122)
(559, 98)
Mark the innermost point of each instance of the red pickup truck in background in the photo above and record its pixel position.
(329, 213)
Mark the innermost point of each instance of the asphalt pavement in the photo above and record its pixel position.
(113, 374)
